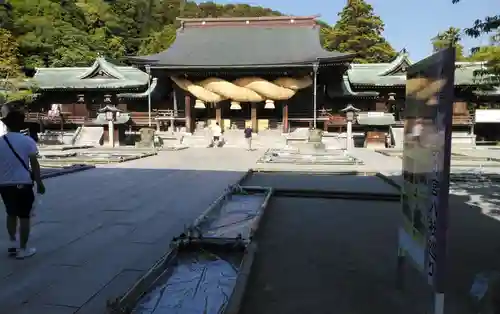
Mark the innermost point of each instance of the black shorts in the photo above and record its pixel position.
(216, 138)
(18, 200)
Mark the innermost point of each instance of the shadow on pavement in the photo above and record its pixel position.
(339, 256)
(99, 230)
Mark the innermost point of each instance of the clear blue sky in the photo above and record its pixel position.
(409, 24)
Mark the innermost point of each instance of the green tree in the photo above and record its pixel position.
(11, 76)
(103, 28)
(324, 34)
(491, 55)
(135, 20)
(50, 33)
(488, 25)
(6, 20)
(359, 30)
(9, 62)
(452, 36)
(158, 41)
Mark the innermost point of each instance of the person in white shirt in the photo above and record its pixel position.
(216, 134)
(19, 170)
(3, 129)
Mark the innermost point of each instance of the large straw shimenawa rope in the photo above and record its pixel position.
(246, 89)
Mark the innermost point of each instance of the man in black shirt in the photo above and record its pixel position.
(248, 137)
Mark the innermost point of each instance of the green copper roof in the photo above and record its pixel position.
(344, 90)
(394, 73)
(144, 94)
(493, 92)
(101, 75)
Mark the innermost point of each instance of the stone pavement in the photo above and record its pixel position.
(99, 230)
(377, 161)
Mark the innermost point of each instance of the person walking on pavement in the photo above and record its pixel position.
(216, 134)
(248, 137)
(19, 170)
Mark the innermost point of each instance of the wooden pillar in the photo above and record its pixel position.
(381, 105)
(218, 114)
(253, 114)
(285, 118)
(187, 111)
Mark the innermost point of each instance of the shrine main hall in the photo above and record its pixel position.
(264, 72)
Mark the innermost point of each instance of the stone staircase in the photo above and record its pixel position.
(171, 139)
(463, 139)
(88, 135)
(235, 139)
(199, 139)
(262, 140)
(397, 133)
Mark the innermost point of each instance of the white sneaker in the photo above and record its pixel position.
(25, 253)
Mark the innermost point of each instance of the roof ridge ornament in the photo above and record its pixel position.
(101, 67)
(401, 62)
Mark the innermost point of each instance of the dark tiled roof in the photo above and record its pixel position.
(231, 46)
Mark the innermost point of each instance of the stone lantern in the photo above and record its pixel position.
(350, 114)
(111, 113)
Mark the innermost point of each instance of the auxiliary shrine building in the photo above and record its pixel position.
(267, 73)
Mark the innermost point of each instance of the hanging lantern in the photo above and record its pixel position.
(107, 98)
(269, 104)
(81, 98)
(198, 104)
(235, 105)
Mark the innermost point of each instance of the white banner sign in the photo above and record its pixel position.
(487, 116)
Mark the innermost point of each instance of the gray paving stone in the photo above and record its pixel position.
(22, 290)
(115, 218)
(77, 253)
(91, 278)
(161, 226)
(377, 161)
(151, 254)
(118, 286)
(43, 309)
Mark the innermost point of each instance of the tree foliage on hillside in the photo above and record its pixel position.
(55, 33)
(359, 30)
(11, 76)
